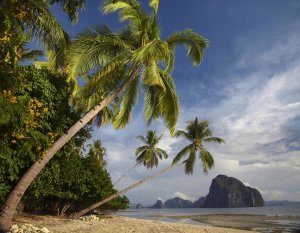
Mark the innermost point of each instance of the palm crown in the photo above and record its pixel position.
(149, 154)
(136, 55)
(197, 133)
(97, 151)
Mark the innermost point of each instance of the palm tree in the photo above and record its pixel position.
(97, 151)
(148, 154)
(120, 62)
(197, 133)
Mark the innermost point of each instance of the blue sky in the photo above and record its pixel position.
(248, 88)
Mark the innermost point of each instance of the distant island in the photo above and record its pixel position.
(224, 192)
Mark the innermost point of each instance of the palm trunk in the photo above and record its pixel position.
(107, 199)
(9, 207)
(126, 173)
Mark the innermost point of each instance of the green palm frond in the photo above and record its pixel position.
(154, 4)
(169, 103)
(142, 139)
(181, 133)
(140, 149)
(207, 160)
(155, 50)
(129, 11)
(214, 139)
(163, 153)
(151, 75)
(151, 101)
(189, 163)
(195, 44)
(182, 153)
(49, 31)
(104, 116)
(92, 50)
(129, 100)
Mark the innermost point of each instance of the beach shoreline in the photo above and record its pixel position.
(115, 224)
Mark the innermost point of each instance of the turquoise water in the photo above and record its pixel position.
(278, 226)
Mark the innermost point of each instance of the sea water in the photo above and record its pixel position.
(167, 214)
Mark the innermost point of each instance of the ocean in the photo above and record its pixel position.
(280, 219)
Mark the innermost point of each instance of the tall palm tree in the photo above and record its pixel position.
(97, 151)
(121, 62)
(148, 154)
(196, 133)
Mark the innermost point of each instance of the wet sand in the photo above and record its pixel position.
(261, 223)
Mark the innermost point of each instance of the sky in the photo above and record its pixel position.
(247, 87)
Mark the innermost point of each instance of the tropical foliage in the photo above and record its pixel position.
(136, 53)
(197, 133)
(33, 113)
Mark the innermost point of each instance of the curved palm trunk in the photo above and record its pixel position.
(9, 207)
(126, 173)
(107, 199)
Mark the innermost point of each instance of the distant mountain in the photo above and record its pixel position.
(158, 205)
(224, 192)
(199, 203)
(229, 192)
(139, 206)
(177, 202)
(282, 203)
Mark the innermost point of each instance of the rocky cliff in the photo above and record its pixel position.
(177, 202)
(199, 203)
(158, 205)
(229, 192)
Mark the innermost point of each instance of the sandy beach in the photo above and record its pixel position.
(114, 224)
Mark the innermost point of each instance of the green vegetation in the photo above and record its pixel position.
(36, 121)
(34, 111)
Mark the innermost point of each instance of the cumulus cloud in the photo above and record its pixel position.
(183, 196)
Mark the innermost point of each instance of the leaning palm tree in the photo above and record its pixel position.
(120, 62)
(148, 154)
(196, 133)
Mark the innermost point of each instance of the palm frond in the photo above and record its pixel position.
(154, 4)
(183, 152)
(140, 149)
(151, 102)
(129, 100)
(207, 160)
(169, 103)
(163, 153)
(155, 50)
(151, 75)
(95, 48)
(195, 44)
(181, 133)
(142, 139)
(190, 162)
(214, 139)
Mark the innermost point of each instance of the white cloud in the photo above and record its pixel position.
(183, 196)
(257, 118)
